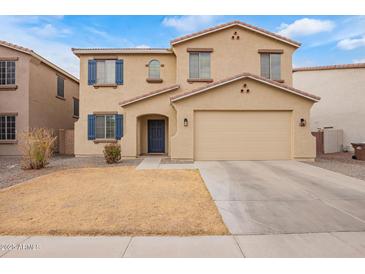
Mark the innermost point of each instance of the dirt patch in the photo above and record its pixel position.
(111, 201)
(341, 162)
(11, 173)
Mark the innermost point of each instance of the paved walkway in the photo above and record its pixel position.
(154, 162)
(338, 244)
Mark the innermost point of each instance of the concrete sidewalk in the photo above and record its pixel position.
(338, 244)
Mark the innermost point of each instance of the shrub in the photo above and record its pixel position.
(112, 153)
(37, 147)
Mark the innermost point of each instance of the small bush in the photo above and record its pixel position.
(112, 153)
(37, 147)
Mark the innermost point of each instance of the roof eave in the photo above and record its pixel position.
(148, 95)
(40, 58)
(79, 52)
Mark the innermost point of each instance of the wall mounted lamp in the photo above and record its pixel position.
(186, 123)
(302, 122)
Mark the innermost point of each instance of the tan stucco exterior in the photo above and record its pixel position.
(343, 95)
(34, 99)
(229, 57)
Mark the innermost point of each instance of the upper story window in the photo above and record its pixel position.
(76, 107)
(105, 72)
(199, 65)
(271, 66)
(7, 127)
(7, 72)
(154, 69)
(60, 87)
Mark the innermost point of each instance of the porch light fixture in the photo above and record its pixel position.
(186, 123)
(302, 122)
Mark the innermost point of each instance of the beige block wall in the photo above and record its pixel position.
(16, 100)
(229, 97)
(107, 99)
(342, 93)
(232, 57)
(45, 110)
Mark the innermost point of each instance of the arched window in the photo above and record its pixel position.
(154, 69)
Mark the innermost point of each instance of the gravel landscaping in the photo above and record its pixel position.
(341, 163)
(11, 173)
(111, 201)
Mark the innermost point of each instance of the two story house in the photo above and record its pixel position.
(33, 93)
(224, 93)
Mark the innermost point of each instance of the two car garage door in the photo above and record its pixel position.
(242, 135)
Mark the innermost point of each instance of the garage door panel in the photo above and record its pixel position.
(242, 135)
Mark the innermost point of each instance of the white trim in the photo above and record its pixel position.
(235, 24)
(239, 78)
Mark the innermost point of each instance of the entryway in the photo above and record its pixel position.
(156, 136)
(152, 135)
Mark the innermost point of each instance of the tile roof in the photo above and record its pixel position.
(78, 51)
(40, 58)
(148, 95)
(342, 66)
(242, 76)
(235, 23)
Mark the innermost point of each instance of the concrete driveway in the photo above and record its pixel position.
(288, 205)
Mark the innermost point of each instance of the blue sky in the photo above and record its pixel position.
(325, 39)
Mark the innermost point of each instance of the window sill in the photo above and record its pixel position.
(8, 87)
(101, 141)
(154, 81)
(75, 117)
(105, 86)
(279, 81)
(200, 80)
(8, 141)
(61, 98)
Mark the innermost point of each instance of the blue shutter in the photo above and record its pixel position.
(91, 72)
(91, 127)
(119, 126)
(119, 72)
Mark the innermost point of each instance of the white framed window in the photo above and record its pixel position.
(7, 72)
(154, 69)
(7, 127)
(105, 126)
(271, 66)
(105, 71)
(199, 65)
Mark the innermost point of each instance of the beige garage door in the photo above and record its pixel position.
(242, 135)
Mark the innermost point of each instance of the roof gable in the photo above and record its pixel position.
(239, 24)
(40, 58)
(242, 76)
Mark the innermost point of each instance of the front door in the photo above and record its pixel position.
(156, 136)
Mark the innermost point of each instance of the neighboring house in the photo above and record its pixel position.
(224, 93)
(33, 93)
(342, 89)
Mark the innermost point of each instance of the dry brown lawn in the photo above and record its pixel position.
(111, 201)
